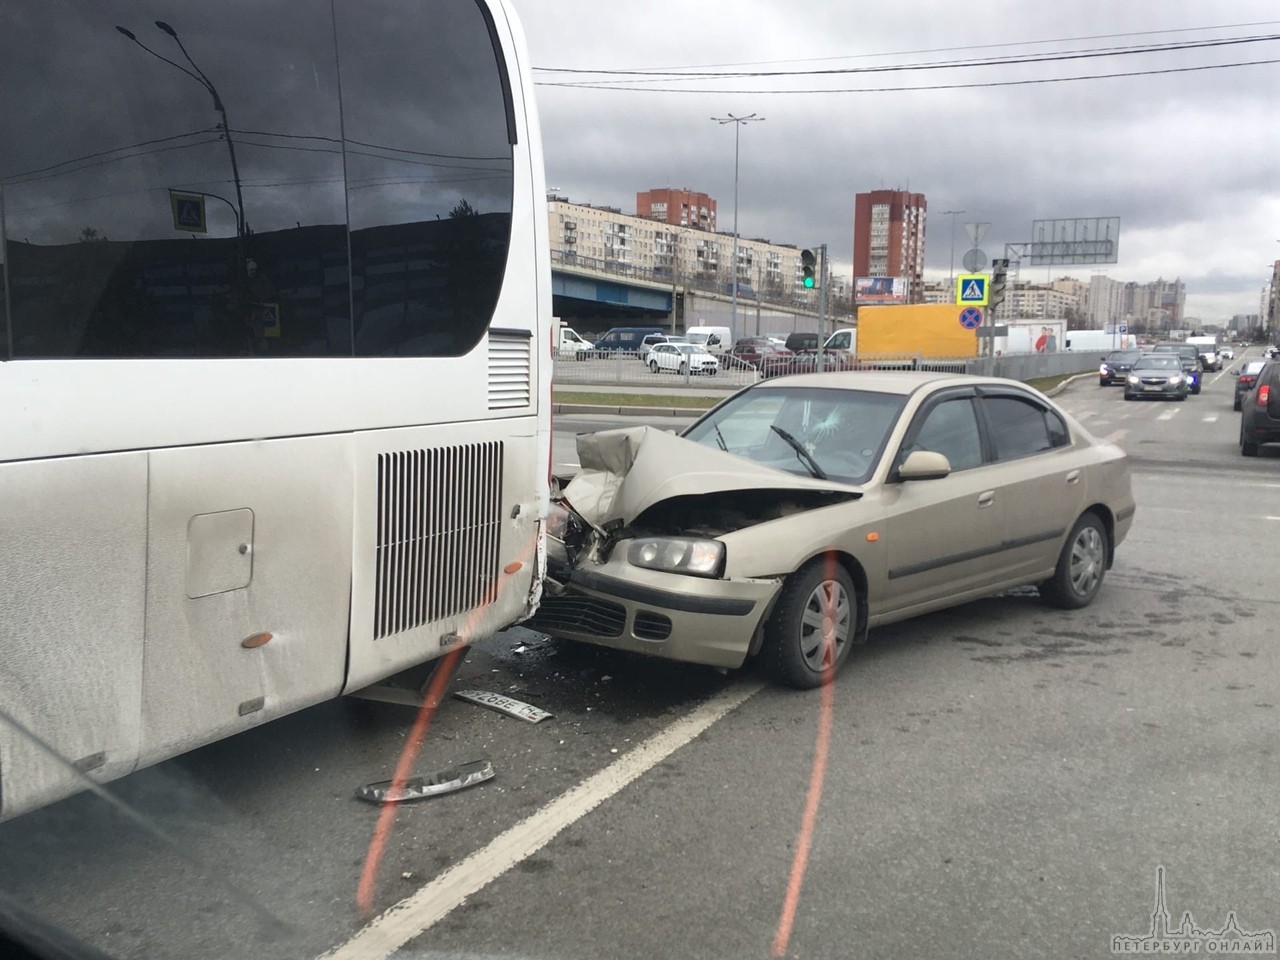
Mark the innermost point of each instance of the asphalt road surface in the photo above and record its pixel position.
(1004, 780)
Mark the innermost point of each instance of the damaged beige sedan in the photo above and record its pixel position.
(804, 510)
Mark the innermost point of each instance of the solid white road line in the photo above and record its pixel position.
(1169, 414)
(389, 931)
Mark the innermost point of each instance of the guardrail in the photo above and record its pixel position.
(630, 369)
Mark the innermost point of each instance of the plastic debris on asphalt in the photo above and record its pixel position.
(434, 785)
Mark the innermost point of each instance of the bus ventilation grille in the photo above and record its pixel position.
(510, 371)
(439, 525)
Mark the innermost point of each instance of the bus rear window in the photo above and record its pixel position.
(269, 196)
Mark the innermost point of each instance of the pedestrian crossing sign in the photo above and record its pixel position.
(972, 289)
(188, 212)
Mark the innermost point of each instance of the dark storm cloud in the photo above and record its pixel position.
(1185, 159)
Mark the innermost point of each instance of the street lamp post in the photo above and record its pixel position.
(951, 276)
(738, 123)
(199, 77)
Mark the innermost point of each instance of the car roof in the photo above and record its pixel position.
(884, 381)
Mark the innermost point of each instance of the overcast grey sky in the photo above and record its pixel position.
(1189, 161)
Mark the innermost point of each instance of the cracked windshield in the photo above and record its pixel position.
(552, 480)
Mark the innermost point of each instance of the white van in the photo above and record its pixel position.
(715, 340)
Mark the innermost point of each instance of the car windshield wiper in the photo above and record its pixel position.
(720, 437)
(801, 452)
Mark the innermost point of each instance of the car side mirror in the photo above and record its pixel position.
(924, 465)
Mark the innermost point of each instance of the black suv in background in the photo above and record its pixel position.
(1190, 360)
(1116, 366)
(1260, 411)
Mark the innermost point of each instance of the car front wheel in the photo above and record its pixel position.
(1081, 566)
(812, 627)
(683, 368)
(653, 365)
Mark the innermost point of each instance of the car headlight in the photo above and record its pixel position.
(1176, 379)
(1133, 378)
(699, 558)
(1104, 370)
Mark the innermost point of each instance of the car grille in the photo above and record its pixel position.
(652, 626)
(576, 614)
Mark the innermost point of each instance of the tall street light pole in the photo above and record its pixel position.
(738, 123)
(951, 276)
(199, 77)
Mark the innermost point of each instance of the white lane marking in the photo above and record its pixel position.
(1273, 518)
(1211, 418)
(1115, 436)
(1170, 414)
(391, 930)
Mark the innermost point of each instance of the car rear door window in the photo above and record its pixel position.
(1021, 427)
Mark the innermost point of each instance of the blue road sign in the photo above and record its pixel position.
(188, 212)
(971, 318)
(971, 288)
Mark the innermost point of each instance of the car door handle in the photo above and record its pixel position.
(1073, 477)
(986, 499)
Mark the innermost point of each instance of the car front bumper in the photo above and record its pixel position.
(691, 619)
(1162, 390)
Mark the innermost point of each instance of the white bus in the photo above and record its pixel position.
(274, 363)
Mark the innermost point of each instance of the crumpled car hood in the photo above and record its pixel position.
(626, 471)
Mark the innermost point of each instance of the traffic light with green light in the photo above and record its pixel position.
(807, 263)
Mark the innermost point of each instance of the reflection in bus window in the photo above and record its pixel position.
(429, 191)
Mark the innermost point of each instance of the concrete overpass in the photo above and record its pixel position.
(593, 295)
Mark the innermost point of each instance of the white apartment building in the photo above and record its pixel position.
(1106, 301)
(1029, 301)
(613, 241)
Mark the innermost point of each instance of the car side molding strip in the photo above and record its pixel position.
(925, 566)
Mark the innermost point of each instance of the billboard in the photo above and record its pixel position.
(879, 290)
(933, 330)
(1075, 240)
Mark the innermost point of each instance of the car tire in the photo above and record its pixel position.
(1102, 383)
(1180, 397)
(1129, 396)
(793, 651)
(1248, 448)
(1196, 389)
(653, 365)
(1081, 566)
(1235, 405)
(683, 368)
(711, 371)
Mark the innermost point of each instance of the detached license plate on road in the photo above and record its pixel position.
(508, 705)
